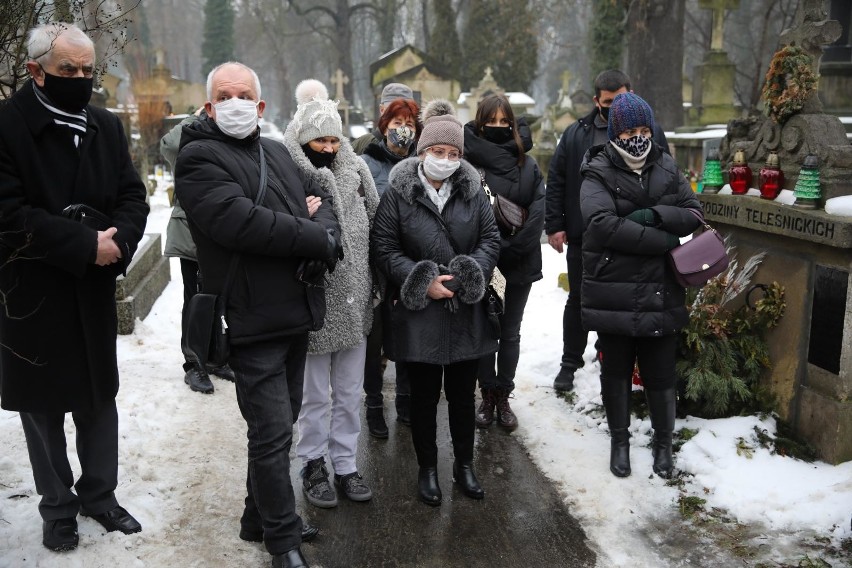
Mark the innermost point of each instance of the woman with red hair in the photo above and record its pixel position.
(400, 127)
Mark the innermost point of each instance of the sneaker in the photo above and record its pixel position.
(198, 380)
(318, 491)
(224, 372)
(564, 380)
(353, 486)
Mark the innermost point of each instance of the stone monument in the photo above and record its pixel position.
(809, 251)
(713, 84)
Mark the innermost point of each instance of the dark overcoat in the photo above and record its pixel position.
(411, 240)
(58, 328)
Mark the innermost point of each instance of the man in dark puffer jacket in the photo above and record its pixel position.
(269, 310)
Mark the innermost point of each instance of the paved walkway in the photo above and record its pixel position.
(521, 522)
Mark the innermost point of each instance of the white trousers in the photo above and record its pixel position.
(330, 419)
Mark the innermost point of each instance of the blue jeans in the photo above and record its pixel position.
(510, 341)
(269, 378)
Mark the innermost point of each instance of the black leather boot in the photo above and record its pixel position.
(376, 424)
(616, 399)
(661, 405)
(427, 485)
(290, 559)
(464, 476)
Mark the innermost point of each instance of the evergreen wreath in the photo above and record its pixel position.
(723, 351)
(789, 82)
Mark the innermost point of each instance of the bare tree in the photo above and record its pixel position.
(104, 21)
(655, 56)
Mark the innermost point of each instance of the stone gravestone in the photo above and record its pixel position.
(809, 253)
(146, 278)
(713, 84)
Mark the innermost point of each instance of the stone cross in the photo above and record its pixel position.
(488, 78)
(719, 7)
(338, 80)
(812, 29)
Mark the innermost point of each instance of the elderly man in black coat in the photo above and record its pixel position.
(57, 278)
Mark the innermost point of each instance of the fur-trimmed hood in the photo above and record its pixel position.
(404, 180)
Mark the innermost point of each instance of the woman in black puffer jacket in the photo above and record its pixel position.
(635, 205)
(435, 240)
(494, 145)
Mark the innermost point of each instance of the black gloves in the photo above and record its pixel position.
(333, 250)
(672, 241)
(645, 217)
(454, 285)
(311, 271)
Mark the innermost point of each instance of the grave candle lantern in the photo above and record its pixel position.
(771, 179)
(739, 175)
(712, 173)
(807, 189)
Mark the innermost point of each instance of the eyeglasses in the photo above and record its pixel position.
(440, 153)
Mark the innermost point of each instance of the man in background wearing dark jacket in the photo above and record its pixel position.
(563, 222)
(270, 309)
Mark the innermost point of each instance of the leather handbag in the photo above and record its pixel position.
(509, 215)
(207, 340)
(699, 259)
(88, 216)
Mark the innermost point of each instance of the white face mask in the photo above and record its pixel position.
(236, 118)
(439, 169)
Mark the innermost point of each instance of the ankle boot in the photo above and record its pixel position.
(427, 484)
(616, 399)
(376, 424)
(661, 405)
(505, 417)
(464, 476)
(485, 412)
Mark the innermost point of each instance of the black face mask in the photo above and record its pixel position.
(497, 134)
(604, 112)
(319, 159)
(70, 94)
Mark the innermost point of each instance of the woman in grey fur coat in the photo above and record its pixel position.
(435, 239)
(330, 423)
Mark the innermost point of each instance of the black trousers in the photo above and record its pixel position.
(574, 337)
(97, 450)
(189, 273)
(459, 381)
(510, 342)
(656, 357)
(269, 378)
(373, 376)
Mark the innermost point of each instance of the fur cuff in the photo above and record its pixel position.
(413, 291)
(470, 276)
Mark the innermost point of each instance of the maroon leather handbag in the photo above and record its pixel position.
(699, 259)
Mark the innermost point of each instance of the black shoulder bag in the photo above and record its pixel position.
(206, 341)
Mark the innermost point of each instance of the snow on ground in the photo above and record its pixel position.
(173, 443)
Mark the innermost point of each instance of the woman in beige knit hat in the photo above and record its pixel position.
(435, 239)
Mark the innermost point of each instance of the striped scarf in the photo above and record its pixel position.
(76, 122)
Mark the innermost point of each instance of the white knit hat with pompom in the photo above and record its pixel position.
(316, 116)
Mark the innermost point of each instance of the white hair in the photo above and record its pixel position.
(238, 64)
(41, 39)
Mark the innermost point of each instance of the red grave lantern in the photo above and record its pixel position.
(740, 176)
(771, 179)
